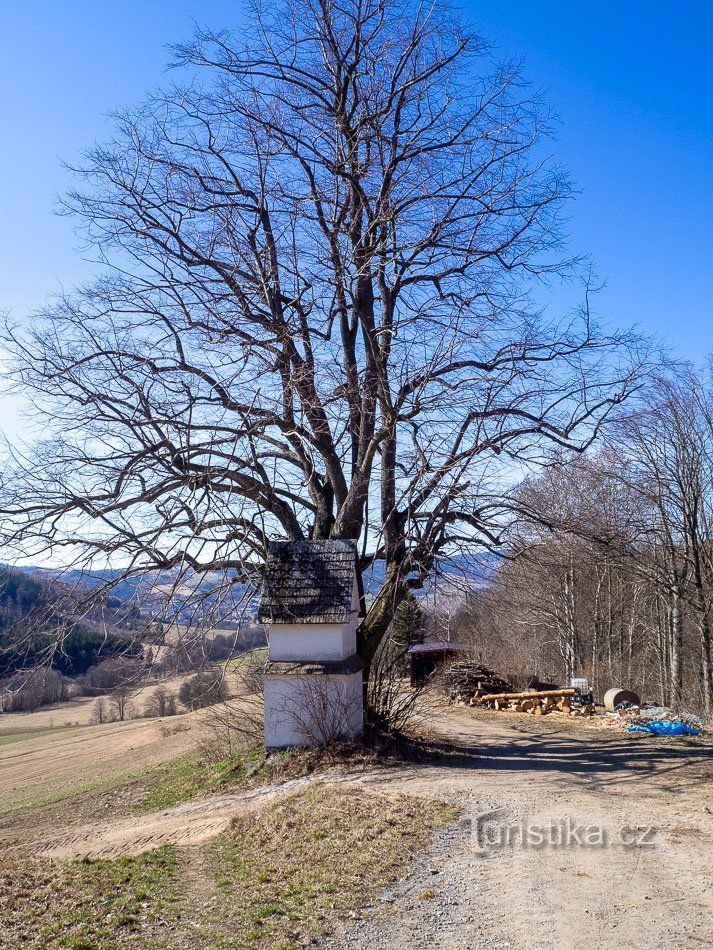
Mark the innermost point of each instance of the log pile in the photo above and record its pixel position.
(467, 681)
(535, 702)
(474, 685)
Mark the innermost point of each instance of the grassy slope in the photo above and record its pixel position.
(276, 879)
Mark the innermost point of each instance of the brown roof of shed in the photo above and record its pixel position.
(308, 582)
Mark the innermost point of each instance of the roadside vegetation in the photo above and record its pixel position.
(287, 872)
(193, 774)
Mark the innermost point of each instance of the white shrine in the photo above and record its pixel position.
(311, 605)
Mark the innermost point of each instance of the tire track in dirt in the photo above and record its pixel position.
(184, 825)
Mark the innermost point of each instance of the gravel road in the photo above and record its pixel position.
(590, 839)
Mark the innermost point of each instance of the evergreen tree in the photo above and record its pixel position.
(408, 627)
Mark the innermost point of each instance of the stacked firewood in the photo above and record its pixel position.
(535, 702)
(466, 681)
(474, 685)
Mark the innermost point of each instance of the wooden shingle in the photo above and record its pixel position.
(308, 582)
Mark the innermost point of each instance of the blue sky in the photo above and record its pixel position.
(632, 84)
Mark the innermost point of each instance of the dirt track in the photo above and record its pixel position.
(185, 825)
(651, 890)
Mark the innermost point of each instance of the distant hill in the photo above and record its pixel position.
(21, 594)
(32, 610)
(176, 596)
(188, 597)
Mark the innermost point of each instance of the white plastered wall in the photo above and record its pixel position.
(312, 641)
(304, 710)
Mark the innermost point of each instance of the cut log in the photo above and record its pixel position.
(543, 694)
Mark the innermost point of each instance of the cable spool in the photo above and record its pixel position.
(614, 696)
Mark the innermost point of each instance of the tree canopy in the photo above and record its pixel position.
(316, 314)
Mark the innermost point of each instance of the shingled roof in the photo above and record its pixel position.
(308, 582)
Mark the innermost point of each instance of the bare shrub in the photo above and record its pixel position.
(392, 704)
(174, 728)
(324, 711)
(249, 675)
(232, 726)
(204, 689)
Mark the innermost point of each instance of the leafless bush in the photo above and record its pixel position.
(392, 705)
(230, 727)
(174, 728)
(322, 710)
(249, 674)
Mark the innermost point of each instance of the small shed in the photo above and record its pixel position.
(311, 605)
(425, 658)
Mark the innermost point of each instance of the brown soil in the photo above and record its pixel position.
(59, 764)
(184, 825)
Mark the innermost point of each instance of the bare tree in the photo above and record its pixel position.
(100, 712)
(671, 449)
(120, 704)
(162, 703)
(315, 317)
(612, 570)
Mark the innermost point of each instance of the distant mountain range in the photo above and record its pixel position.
(187, 597)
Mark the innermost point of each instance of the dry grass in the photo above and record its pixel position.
(82, 905)
(286, 873)
(277, 879)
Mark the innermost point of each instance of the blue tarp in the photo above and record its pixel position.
(663, 727)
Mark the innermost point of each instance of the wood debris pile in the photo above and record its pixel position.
(474, 685)
(621, 719)
(468, 681)
(610, 723)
